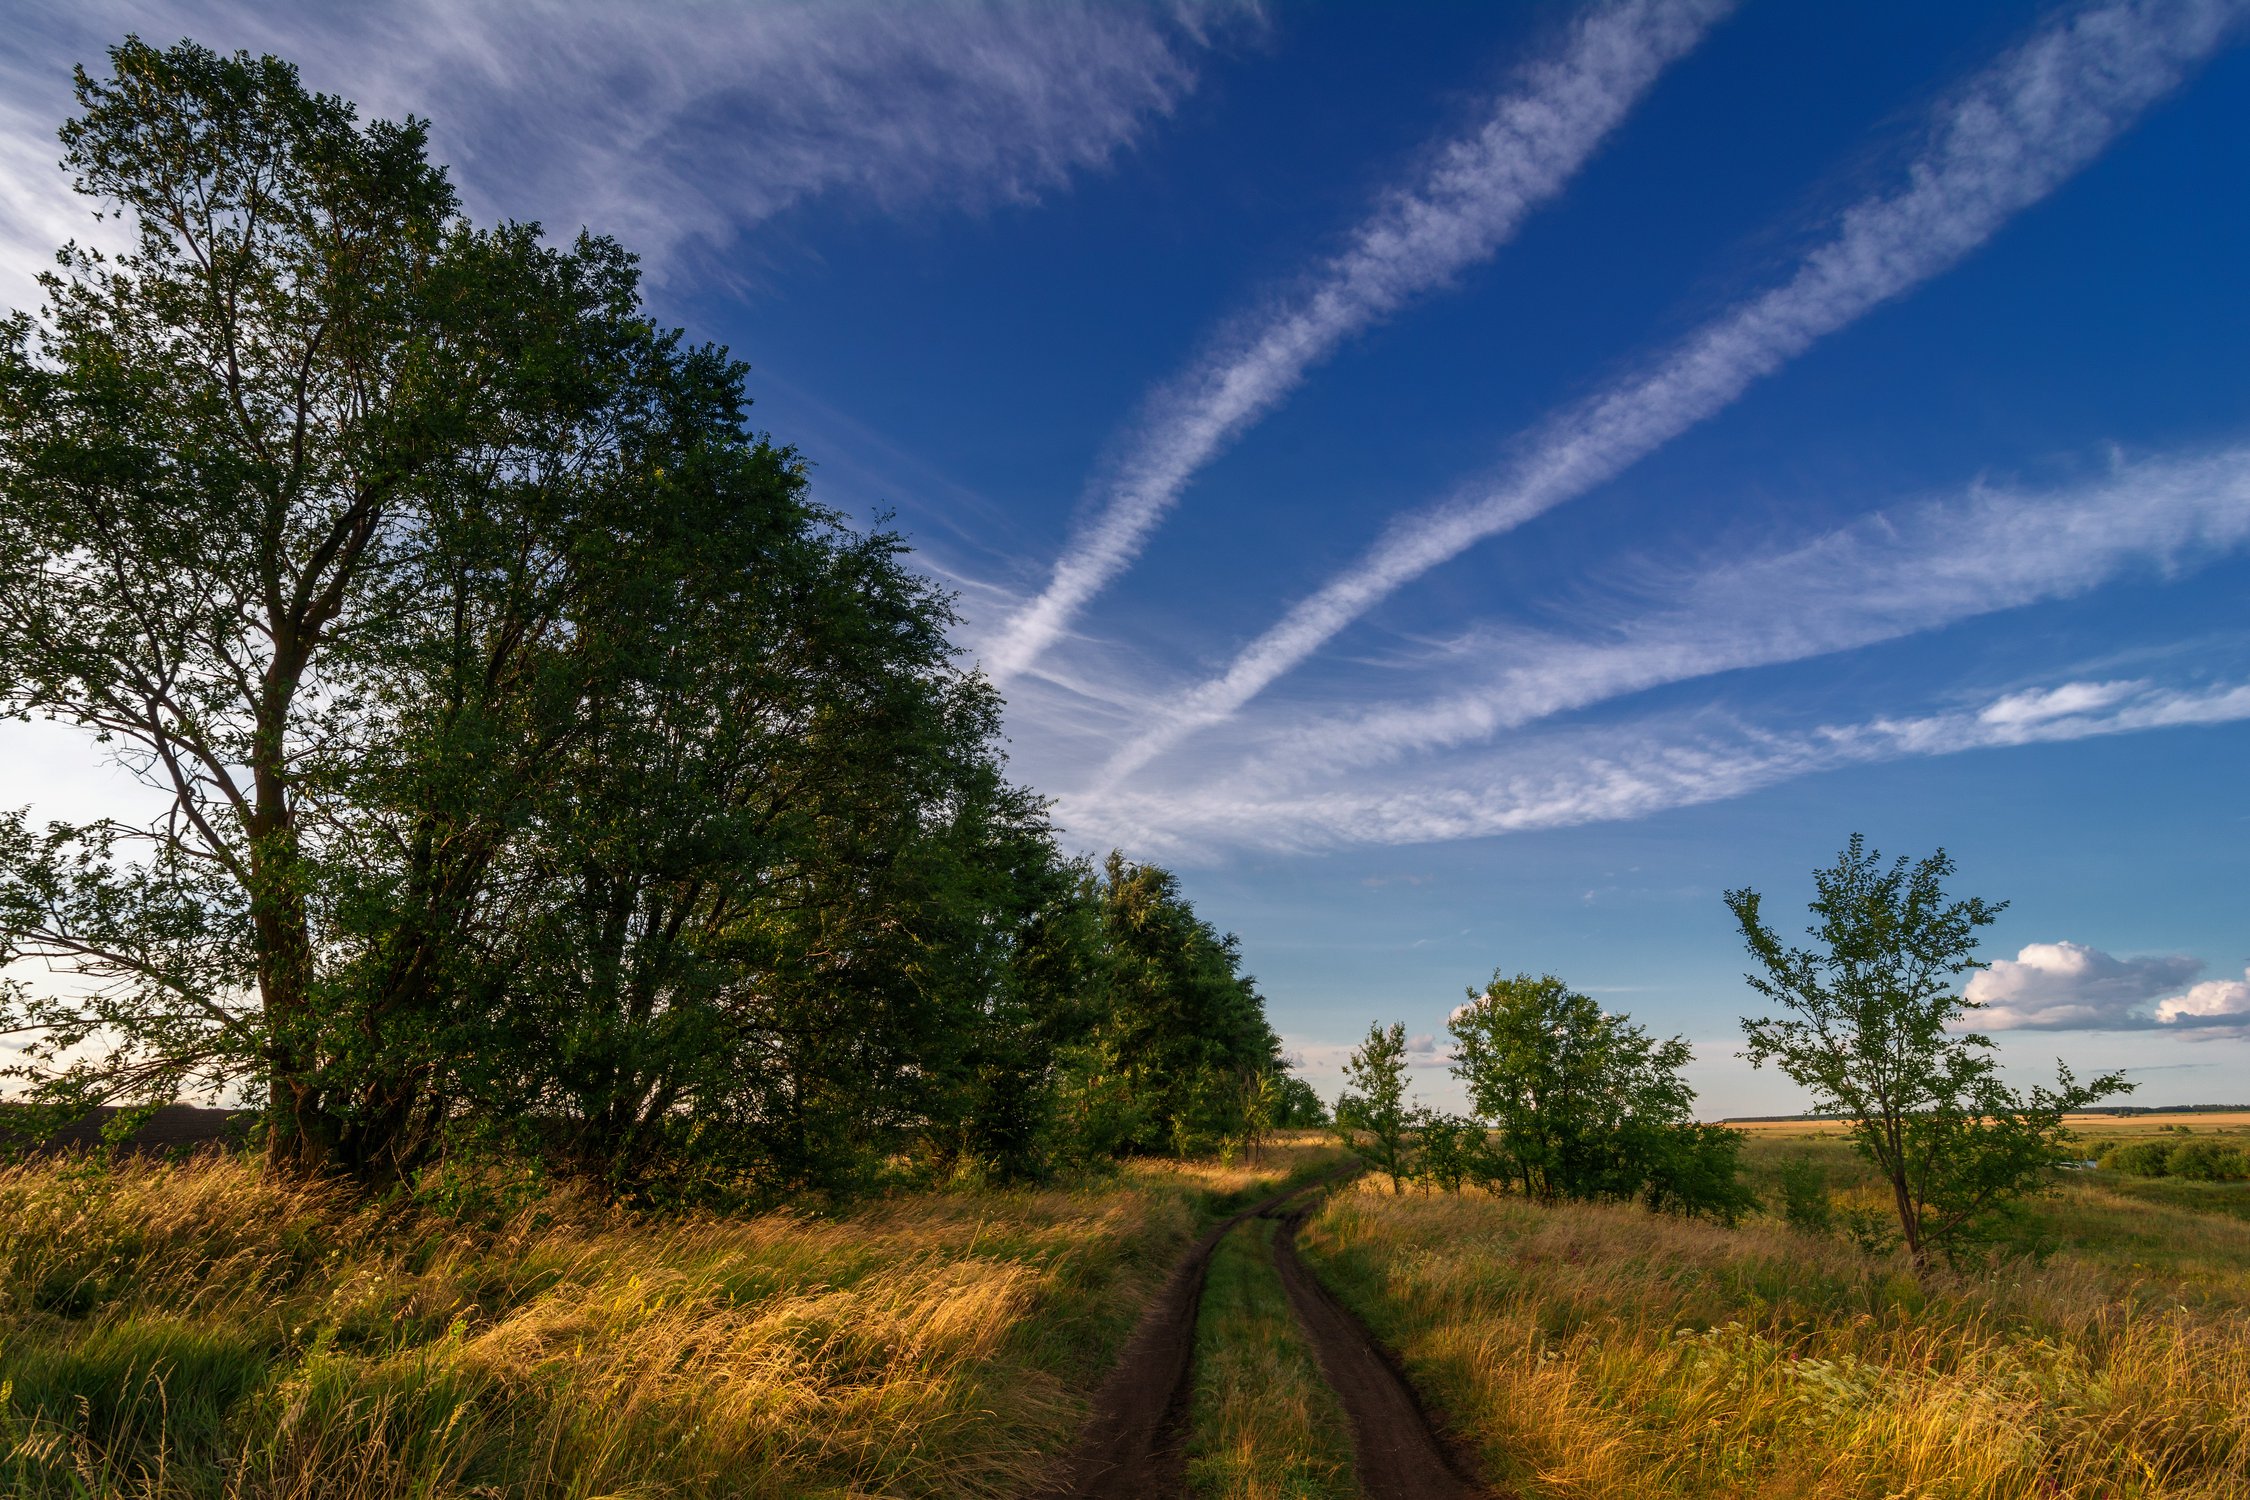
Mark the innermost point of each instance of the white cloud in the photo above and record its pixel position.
(1305, 780)
(2067, 701)
(2068, 986)
(1473, 198)
(1426, 1051)
(1882, 577)
(664, 125)
(1606, 774)
(2010, 137)
(2218, 1003)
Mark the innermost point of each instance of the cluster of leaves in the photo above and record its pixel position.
(1569, 1103)
(530, 754)
(2196, 1161)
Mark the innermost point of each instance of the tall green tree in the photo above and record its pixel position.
(277, 483)
(1374, 1114)
(1585, 1104)
(527, 746)
(1186, 1026)
(1870, 1031)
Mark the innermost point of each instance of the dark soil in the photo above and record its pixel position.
(1134, 1446)
(1401, 1453)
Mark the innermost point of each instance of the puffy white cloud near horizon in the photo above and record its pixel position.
(2216, 1003)
(2066, 986)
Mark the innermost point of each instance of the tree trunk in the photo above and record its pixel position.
(1909, 1222)
(300, 1136)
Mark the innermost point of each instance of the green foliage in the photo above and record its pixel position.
(1188, 1026)
(1373, 1116)
(1869, 1033)
(1449, 1150)
(2192, 1161)
(2139, 1158)
(1297, 1105)
(2208, 1161)
(1804, 1196)
(532, 749)
(1584, 1104)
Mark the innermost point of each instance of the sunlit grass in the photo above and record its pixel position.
(1604, 1351)
(1266, 1425)
(209, 1331)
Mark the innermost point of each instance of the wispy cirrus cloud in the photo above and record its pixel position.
(667, 126)
(1894, 573)
(2006, 139)
(1473, 197)
(1620, 771)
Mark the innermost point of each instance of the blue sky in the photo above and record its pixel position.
(1468, 484)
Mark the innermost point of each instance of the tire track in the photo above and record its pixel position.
(1400, 1453)
(1133, 1446)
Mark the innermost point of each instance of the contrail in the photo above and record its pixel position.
(1894, 573)
(2014, 134)
(1473, 199)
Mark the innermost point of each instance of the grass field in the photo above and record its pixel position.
(202, 1331)
(2104, 1235)
(1603, 1351)
(1265, 1424)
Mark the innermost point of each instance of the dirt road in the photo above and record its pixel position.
(1134, 1446)
(1399, 1451)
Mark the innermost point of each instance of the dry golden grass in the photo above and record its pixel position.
(207, 1331)
(1265, 1424)
(1603, 1351)
(2095, 1126)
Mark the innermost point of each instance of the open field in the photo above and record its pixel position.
(1602, 1351)
(200, 1331)
(2100, 1126)
(203, 1331)
(2071, 1215)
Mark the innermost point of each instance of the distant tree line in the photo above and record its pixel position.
(534, 761)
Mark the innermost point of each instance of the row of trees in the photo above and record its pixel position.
(1574, 1103)
(529, 755)
(1568, 1101)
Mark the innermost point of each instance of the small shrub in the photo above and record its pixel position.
(1804, 1196)
(2139, 1158)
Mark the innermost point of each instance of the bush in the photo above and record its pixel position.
(2139, 1158)
(2196, 1161)
(2207, 1161)
(1804, 1196)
